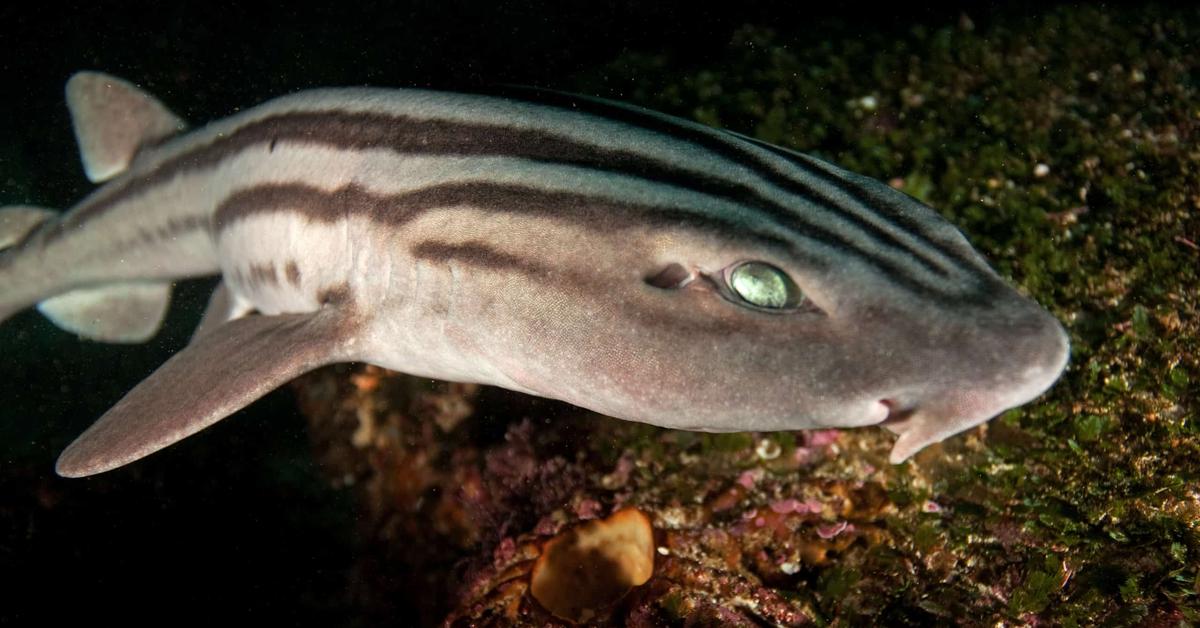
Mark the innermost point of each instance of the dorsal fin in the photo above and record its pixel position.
(112, 120)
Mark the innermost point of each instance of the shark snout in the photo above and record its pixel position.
(1033, 351)
(1002, 365)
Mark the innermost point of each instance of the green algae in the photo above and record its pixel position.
(1064, 145)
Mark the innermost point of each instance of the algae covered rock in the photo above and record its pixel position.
(1066, 146)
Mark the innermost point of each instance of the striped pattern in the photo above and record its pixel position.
(553, 244)
(569, 158)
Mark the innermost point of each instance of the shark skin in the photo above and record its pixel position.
(638, 265)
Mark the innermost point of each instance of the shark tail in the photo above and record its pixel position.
(17, 223)
(113, 119)
(122, 312)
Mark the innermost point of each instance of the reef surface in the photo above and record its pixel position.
(1064, 145)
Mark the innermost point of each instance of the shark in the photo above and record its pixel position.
(629, 262)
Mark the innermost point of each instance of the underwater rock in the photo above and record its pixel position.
(588, 568)
(528, 517)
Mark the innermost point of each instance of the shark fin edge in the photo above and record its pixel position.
(219, 374)
(121, 313)
(223, 306)
(113, 119)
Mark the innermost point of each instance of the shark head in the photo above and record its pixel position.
(869, 309)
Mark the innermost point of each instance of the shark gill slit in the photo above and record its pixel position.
(570, 281)
(479, 255)
(292, 271)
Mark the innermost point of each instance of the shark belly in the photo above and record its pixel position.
(283, 263)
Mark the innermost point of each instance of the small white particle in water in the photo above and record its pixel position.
(664, 551)
(1041, 170)
(789, 568)
(868, 102)
(768, 449)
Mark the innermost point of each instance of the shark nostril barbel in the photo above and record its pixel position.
(895, 414)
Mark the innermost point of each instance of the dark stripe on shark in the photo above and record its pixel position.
(482, 256)
(597, 212)
(592, 211)
(866, 191)
(479, 255)
(400, 208)
(731, 147)
(440, 137)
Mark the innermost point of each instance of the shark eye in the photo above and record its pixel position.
(763, 286)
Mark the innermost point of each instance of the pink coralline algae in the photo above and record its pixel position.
(785, 506)
(828, 531)
(803, 455)
(792, 506)
(505, 551)
(821, 438)
(546, 526)
(748, 478)
(588, 509)
(813, 445)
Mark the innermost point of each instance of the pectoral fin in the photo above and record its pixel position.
(223, 306)
(215, 376)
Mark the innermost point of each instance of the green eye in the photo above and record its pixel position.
(763, 285)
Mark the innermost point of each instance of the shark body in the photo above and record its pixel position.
(622, 260)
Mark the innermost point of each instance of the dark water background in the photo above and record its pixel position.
(238, 522)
